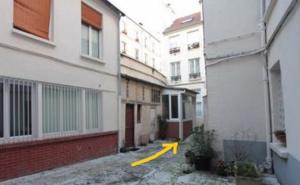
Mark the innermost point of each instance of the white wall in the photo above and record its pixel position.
(235, 85)
(60, 61)
(285, 49)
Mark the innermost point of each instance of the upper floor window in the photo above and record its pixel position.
(174, 45)
(155, 96)
(123, 47)
(91, 30)
(33, 17)
(137, 36)
(194, 68)
(137, 54)
(175, 71)
(146, 42)
(146, 58)
(193, 40)
(123, 27)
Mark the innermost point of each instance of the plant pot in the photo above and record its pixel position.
(248, 180)
(281, 136)
(202, 163)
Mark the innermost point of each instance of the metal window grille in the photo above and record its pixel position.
(20, 103)
(61, 109)
(92, 109)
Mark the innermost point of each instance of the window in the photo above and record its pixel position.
(199, 109)
(187, 107)
(123, 47)
(92, 109)
(143, 92)
(33, 17)
(1, 109)
(146, 58)
(175, 71)
(61, 109)
(153, 62)
(174, 45)
(155, 96)
(193, 37)
(174, 107)
(165, 106)
(194, 68)
(137, 36)
(137, 54)
(146, 42)
(139, 113)
(123, 27)
(20, 108)
(91, 31)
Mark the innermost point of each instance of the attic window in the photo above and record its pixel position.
(186, 20)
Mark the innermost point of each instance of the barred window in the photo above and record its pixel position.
(20, 103)
(92, 108)
(155, 96)
(61, 109)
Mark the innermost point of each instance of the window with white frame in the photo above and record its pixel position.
(92, 109)
(123, 47)
(199, 105)
(194, 68)
(61, 109)
(175, 71)
(174, 42)
(146, 58)
(90, 41)
(174, 107)
(137, 54)
(193, 37)
(16, 107)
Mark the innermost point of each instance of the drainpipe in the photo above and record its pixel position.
(119, 97)
(266, 88)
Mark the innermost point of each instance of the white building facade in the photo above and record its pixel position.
(252, 66)
(59, 83)
(184, 63)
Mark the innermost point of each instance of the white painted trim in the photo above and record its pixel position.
(93, 59)
(39, 110)
(83, 111)
(33, 37)
(280, 150)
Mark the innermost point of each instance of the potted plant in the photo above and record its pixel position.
(281, 136)
(201, 148)
(247, 174)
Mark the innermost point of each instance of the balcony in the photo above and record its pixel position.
(174, 50)
(176, 78)
(194, 76)
(193, 45)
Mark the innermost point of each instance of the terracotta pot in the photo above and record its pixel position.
(281, 136)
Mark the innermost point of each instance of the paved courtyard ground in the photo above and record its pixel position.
(116, 169)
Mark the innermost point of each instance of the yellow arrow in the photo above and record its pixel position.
(166, 148)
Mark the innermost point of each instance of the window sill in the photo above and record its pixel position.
(93, 59)
(33, 37)
(280, 150)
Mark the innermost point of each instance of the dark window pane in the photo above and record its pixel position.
(174, 108)
(165, 104)
(20, 110)
(139, 113)
(1, 109)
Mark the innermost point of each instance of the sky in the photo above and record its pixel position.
(156, 15)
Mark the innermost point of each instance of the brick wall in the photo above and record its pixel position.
(187, 128)
(30, 157)
(172, 130)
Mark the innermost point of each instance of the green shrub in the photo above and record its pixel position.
(246, 169)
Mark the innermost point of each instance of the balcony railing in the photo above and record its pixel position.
(193, 45)
(176, 78)
(195, 76)
(174, 50)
